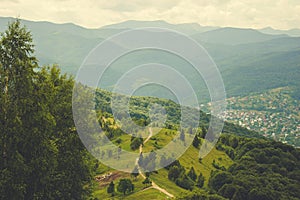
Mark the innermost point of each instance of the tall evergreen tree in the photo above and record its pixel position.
(26, 152)
(200, 181)
(111, 188)
(196, 141)
(192, 174)
(41, 154)
(72, 170)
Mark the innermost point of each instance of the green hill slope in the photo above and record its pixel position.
(233, 169)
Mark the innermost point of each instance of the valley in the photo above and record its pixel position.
(48, 152)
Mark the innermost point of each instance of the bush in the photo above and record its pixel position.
(219, 179)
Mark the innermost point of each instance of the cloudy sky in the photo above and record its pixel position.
(280, 14)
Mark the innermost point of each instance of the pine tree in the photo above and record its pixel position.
(200, 181)
(192, 174)
(203, 132)
(196, 142)
(147, 181)
(41, 156)
(125, 186)
(26, 123)
(72, 172)
(111, 188)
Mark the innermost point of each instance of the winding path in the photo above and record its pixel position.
(154, 185)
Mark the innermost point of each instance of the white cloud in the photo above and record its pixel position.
(281, 14)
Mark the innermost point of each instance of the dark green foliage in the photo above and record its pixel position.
(196, 142)
(125, 186)
(241, 193)
(175, 163)
(216, 197)
(262, 169)
(229, 190)
(192, 174)
(200, 181)
(201, 195)
(218, 166)
(135, 143)
(185, 182)
(233, 142)
(118, 141)
(203, 131)
(219, 178)
(17, 114)
(147, 174)
(195, 196)
(175, 172)
(41, 154)
(111, 188)
(147, 181)
(257, 194)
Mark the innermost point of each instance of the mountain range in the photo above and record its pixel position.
(249, 60)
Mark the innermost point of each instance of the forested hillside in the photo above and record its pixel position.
(261, 169)
(243, 165)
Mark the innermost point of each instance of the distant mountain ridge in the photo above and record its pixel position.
(187, 28)
(236, 51)
(292, 32)
(234, 36)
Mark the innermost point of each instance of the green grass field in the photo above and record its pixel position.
(161, 179)
(160, 139)
(100, 188)
(191, 159)
(147, 194)
(188, 159)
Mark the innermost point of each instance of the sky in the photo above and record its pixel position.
(278, 14)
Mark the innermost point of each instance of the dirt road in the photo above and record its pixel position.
(154, 185)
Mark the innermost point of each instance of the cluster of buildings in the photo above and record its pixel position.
(275, 114)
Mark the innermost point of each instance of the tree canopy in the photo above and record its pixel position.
(41, 154)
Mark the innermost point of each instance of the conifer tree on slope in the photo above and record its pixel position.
(33, 143)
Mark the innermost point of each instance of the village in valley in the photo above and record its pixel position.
(274, 114)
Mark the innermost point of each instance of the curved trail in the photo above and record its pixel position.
(150, 135)
(154, 185)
